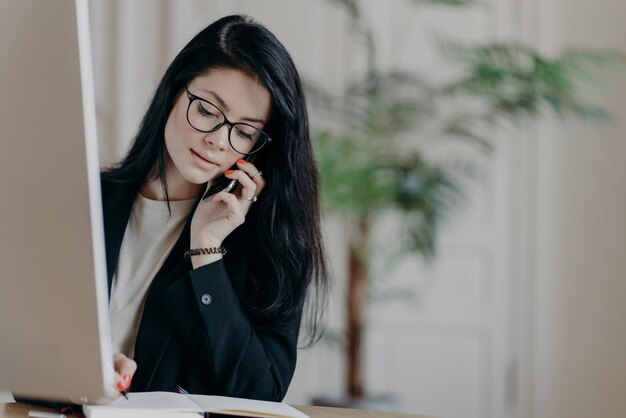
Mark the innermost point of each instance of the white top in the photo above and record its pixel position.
(150, 235)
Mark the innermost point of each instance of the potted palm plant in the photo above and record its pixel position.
(374, 162)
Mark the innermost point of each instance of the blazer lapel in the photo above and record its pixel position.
(117, 202)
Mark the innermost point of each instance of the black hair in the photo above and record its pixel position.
(278, 249)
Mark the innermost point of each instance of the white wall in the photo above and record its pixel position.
(589, 285)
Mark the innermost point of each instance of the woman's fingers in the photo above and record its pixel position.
(253, 174)
(235, 211)
(250, 179)
(125, 368)
(122, 383)
(248, 187)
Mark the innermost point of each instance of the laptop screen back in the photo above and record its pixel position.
(54, 335)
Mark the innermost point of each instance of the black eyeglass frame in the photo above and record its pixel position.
(230, 124)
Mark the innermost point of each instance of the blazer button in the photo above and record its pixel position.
(206, 299)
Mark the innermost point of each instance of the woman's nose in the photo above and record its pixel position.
(219, 138)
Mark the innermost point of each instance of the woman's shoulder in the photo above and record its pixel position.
(114, 188)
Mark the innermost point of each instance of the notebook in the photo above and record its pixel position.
(177, 405)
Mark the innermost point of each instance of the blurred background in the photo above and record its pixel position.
(472, 158)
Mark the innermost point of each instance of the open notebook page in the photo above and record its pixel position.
(149, 404)
(170, 404)
(246, 407)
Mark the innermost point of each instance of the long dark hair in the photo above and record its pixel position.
(278, 251)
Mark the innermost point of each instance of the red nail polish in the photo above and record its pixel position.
(241, 161)
(122, 386)
(228, 172)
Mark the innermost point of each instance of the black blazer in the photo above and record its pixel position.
(194, 332)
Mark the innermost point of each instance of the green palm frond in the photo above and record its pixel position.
(516, 81)
(390, 103)
(426, 193)
(353, 179)
(361, 180)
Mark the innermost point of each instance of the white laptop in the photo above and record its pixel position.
(54, 333)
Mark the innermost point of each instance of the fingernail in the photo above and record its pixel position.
(228, 172)
(122, 385)
(241, 161)
(126, 378)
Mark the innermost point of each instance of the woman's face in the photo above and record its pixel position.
(196, 157)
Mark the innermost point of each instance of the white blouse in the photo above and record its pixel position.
(150, 235)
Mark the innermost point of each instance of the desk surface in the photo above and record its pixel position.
(20, 410)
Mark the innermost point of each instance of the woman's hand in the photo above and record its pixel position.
(217, 217)
(125, 369)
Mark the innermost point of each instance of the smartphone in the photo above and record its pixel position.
(223, 183)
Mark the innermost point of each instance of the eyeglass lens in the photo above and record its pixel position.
(206, 117)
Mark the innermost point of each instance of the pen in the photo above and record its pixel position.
(125, 394)
(40, 414)
(123, 386)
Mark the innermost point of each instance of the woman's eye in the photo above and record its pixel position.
(204, 111)
(244, 134)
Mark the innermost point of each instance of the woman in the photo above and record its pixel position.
(207, 294)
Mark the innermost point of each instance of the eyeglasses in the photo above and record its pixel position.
(205, 117)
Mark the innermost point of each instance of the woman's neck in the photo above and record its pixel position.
(177, 187)
(153, 190)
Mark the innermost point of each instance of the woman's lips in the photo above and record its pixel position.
(203, 162)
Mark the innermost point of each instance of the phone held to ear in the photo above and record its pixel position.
(223, 183)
